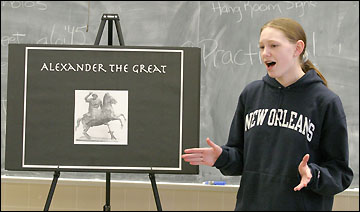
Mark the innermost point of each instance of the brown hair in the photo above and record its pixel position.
(294, 32)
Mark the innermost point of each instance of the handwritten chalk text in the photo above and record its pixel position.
(13, 38)
(65, 35)
(24, 4)
(213, 55)
(248, 8)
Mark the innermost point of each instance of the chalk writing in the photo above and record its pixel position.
(65, 35)
(263, 7)
(300, 5)
(314, 44)
(339, 48)
(213, 55)
(24, 4)
(226, 9)
(13, 38)
(251, 8)
(4, 64)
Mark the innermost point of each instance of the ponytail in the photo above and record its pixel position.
(307, 65)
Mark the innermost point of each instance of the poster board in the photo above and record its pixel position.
(145, 114)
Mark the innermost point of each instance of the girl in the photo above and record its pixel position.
(288, 137)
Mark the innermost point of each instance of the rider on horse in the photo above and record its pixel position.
(95, 105)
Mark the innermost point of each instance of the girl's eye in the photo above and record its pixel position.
(261, 47)
(273, 46)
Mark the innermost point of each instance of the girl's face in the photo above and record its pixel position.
(277, 53)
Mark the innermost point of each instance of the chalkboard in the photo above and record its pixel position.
(226, 32)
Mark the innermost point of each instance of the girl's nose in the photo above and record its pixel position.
(266, 52)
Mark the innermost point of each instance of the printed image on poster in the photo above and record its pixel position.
(101, 117)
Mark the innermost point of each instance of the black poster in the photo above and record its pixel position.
(101, 108)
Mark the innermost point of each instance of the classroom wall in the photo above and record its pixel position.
(80, 195)
(227, 32)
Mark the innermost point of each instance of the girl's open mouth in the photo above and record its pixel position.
(270, 64)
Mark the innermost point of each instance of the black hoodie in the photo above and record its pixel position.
(272, 129)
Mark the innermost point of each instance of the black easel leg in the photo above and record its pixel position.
(107, 205)
(155, 191)
(52, 190)
(100, 31)
(119, 32)
(110, 18)
(110, 32)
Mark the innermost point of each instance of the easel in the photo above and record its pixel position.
(52, 189)
(110, 18)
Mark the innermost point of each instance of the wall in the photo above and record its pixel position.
(78, 195)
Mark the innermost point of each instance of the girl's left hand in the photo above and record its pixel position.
(305, 173)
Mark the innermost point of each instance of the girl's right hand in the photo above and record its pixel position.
(203, 156)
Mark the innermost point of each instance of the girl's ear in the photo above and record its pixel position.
(300, 45)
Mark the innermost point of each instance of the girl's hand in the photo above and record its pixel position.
(203, 156)
(305, 173)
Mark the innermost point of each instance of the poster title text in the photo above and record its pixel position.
(109, 68)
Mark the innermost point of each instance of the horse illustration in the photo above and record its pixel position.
(106, 115)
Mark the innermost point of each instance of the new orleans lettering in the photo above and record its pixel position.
(281, 118)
